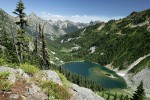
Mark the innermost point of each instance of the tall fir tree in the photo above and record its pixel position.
(19, 11)
(115, 96)
(108, 97)
(139, 94)
(45, 62)
(35, 51)
(121, 97)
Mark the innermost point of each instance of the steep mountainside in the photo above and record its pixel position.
(7, 23)
(122, 45)
(119, 42)
(53, 29)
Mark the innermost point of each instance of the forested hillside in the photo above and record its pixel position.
(119, 42)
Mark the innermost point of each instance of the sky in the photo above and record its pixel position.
(78, 10)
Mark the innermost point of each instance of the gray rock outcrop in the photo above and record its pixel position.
(11, 77)
(134, 80)
(34, 92)
(81, 93)
(53, 76)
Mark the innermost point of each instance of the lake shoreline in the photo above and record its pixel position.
(105, 76)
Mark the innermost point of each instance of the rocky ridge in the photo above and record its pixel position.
(25, 88)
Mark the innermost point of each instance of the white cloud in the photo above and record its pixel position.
(77, 18)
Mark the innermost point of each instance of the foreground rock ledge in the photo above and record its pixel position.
(35, 93)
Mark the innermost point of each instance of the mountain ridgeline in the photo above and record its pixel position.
(117, 42)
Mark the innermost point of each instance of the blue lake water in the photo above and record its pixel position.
(100, 74)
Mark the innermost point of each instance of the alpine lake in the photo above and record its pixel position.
(96, 72)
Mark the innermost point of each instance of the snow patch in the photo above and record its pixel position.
(92, 49)
(53, 52)
(102, 53)
(140, 24)
(52, 62)
(61, 61)
(56, 58)
(136, 62)
(83, 31)
(99, 28)
(78, 37)
(75, 48)
(62, 41)
(124, 72)
(69, 39)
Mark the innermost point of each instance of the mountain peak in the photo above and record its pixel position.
(33, 14)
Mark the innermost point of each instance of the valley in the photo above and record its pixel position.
(100, 60)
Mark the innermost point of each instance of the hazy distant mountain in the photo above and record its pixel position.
(54, 28)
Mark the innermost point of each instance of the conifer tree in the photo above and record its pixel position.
(35, 51)
(19, 11)
(139, 94)
(44, 63)
(108, 98)
(115, 97)
(126, 97)
(121, 97)
(103, 94)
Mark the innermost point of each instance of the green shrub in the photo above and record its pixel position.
(4, 75)
(5, 85)
(2, 61)
(66, 83)
(30, 69)
(55, 91)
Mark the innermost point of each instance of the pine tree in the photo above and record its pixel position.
(45, 62)
(35, 51)
(121, 97)
(115, 97)
(19, 11)
(139, 94)
(103, 94)
(126, 97)
(108, 98)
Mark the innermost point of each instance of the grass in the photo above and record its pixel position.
(2, 61)
(64, 80)
(55, 91)
(30, 69)
(5, 85)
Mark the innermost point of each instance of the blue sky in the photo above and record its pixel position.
(79, 10)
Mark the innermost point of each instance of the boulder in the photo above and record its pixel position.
(11, 77)
(22, 74)
(81, 93)
(53, 76)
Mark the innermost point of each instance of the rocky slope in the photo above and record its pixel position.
(133, 80)
(25, 86)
